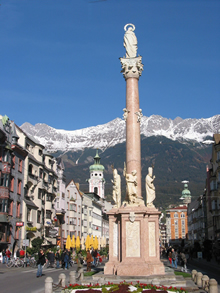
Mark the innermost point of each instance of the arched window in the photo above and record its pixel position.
(96, 190)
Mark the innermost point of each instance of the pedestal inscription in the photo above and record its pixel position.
(115, 240)
(152, 231)
(133, 239)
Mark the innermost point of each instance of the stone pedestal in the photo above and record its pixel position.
(134, 242)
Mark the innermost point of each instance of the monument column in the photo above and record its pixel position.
(133, 227)
(132, 68)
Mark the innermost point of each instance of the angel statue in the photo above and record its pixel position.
(131, 185)
(150, 188)
(116, 188)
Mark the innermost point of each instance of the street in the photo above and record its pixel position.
(17, 280)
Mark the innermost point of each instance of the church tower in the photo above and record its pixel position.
(96, 181)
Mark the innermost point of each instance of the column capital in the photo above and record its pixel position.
(131, 67)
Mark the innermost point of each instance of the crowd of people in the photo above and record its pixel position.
(59, 259)
(177, 257)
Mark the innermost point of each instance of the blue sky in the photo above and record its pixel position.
(59, 59)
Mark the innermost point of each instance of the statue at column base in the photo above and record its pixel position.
(136, 203)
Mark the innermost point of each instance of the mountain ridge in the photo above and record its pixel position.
(112, 133)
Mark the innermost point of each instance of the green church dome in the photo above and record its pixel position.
(96, 166)
(186, 192)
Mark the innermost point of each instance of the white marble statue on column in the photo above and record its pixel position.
(130, 41)
(116, 188)
(150, 188)
(131, 186)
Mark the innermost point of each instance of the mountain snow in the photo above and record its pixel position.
(113, 132)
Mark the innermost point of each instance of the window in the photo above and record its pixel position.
(18, 210)
(72, 207)
(19, 187)
(38, 216)
(176, 223)
(96, 190)
(78, 209)
(182, 215)
(58, 204)
(40, 192)
(48, 197)
(183, 222)
(41, 172)
(175, 215)
(50, 179)
(13, 161)
(3, 205)
(48, 214)
(12, 184)
(63, 195)
(4, 180)
(213, 185)
(6, 156)
(71, 221)
(20, 165)
(40, 152)
(28, 214)
(47, 233)
(43, 217)
(10, 212)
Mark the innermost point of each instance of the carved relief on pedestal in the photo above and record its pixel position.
(115, 239)
(133, 239)
(152, 238)
(132, 67)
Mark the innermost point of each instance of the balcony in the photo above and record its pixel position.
(6, 167)
(4, 191)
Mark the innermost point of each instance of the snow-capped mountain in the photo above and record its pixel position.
(113, 132)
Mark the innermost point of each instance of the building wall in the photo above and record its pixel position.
(40, 188)
(212, 192)
(176, 223)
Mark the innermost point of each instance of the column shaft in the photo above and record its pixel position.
(133, 142)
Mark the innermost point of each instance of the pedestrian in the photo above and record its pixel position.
(8, 255)
(58, 258)
(52, 258)
(18, 253)
(41, 261)
(62, 259)
(89, 259)
(184, 261)
(3, 256)
(170, 257)
(95, 253)
(79, 260)
(22, 253)
(174, 259)
(66, 259)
